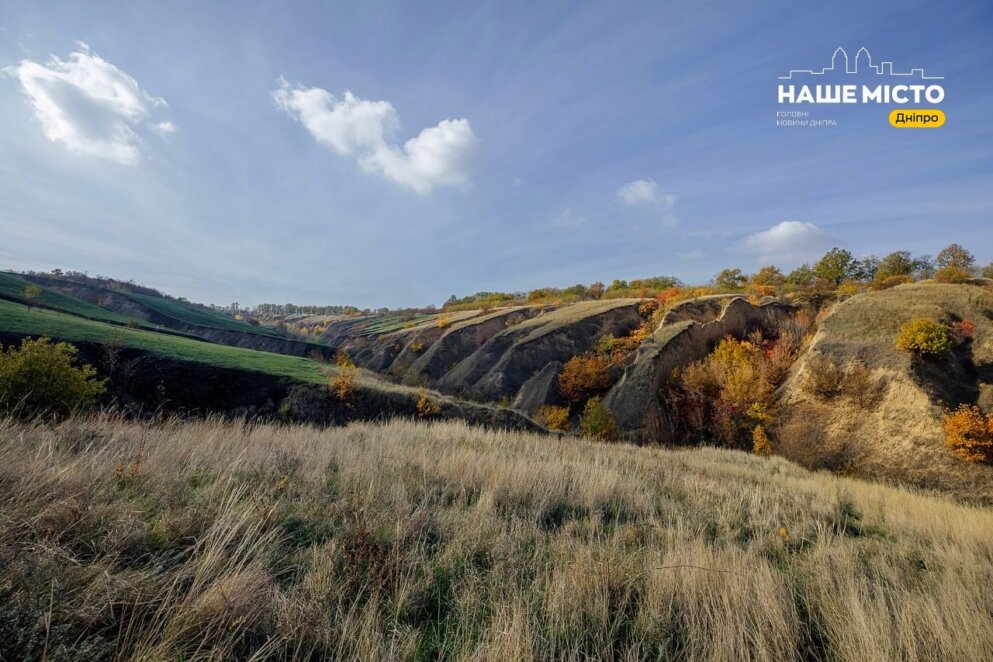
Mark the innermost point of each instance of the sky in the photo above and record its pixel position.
(387, 154)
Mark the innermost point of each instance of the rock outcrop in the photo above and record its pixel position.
(687, 333)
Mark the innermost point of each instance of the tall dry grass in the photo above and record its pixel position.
(405, 540)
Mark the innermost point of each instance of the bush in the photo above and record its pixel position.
(859, 386)
(963, 330)
(954, 275)
(825, 379)
(597, 421)
(444, 322)
(426, 407)
(925, 336)
(39, 379)
(554, 418)
(969, 434)
(583, 376)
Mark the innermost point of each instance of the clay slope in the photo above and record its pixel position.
(897, 434)
(501, 366)
(687, 333)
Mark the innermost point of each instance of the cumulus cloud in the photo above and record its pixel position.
(644, 193)
(439, 156)
(788, 242)
(88, 105)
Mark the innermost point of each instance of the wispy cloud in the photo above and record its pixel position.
(644, 193)
(88, 105)
(439, 156)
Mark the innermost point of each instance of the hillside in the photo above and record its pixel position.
(124, 304)
(413, 541)
(896, 433)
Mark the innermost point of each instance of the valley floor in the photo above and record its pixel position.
(412, 540)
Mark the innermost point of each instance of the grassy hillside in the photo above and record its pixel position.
(17, 319)
(415, 541)
(12, 287)
(192, 314)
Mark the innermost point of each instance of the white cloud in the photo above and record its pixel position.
(164, 128)
(439, 156)
(640, 192)
(644, 193)
(787, 242)
(568, 219)
(88, 105)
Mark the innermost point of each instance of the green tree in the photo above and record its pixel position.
(866, 268)
(955, 256)
(730, 279)
(987, 271)
(39, 379)
(802, 275)
(924, 266)
(837, 266)
(597, 421)
(897, 263)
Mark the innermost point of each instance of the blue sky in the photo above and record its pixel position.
(210, 150)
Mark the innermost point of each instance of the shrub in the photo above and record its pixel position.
(969, 434)
(554, 418)
(343, 383)
(849, 288)
(417, 346)
(444, 322)
(859, 386)
(987, 271)
(426, 407)
(597, 421)
(925, 336)
(825, 379)
(963, 330)
(954, 275)
(606, 345)
(39, 379)
(583, 376)
(760, 442)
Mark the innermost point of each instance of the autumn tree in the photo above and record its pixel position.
(583, 376)
(954, 255)
(768, 276)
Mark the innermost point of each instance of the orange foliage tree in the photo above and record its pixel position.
(583, 376)
(969, 433)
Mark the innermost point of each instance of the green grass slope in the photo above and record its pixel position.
(12, 288)
(19, 320)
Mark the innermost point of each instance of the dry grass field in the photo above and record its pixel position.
(405, 540)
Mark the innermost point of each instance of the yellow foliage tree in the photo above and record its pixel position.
(760, 442)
